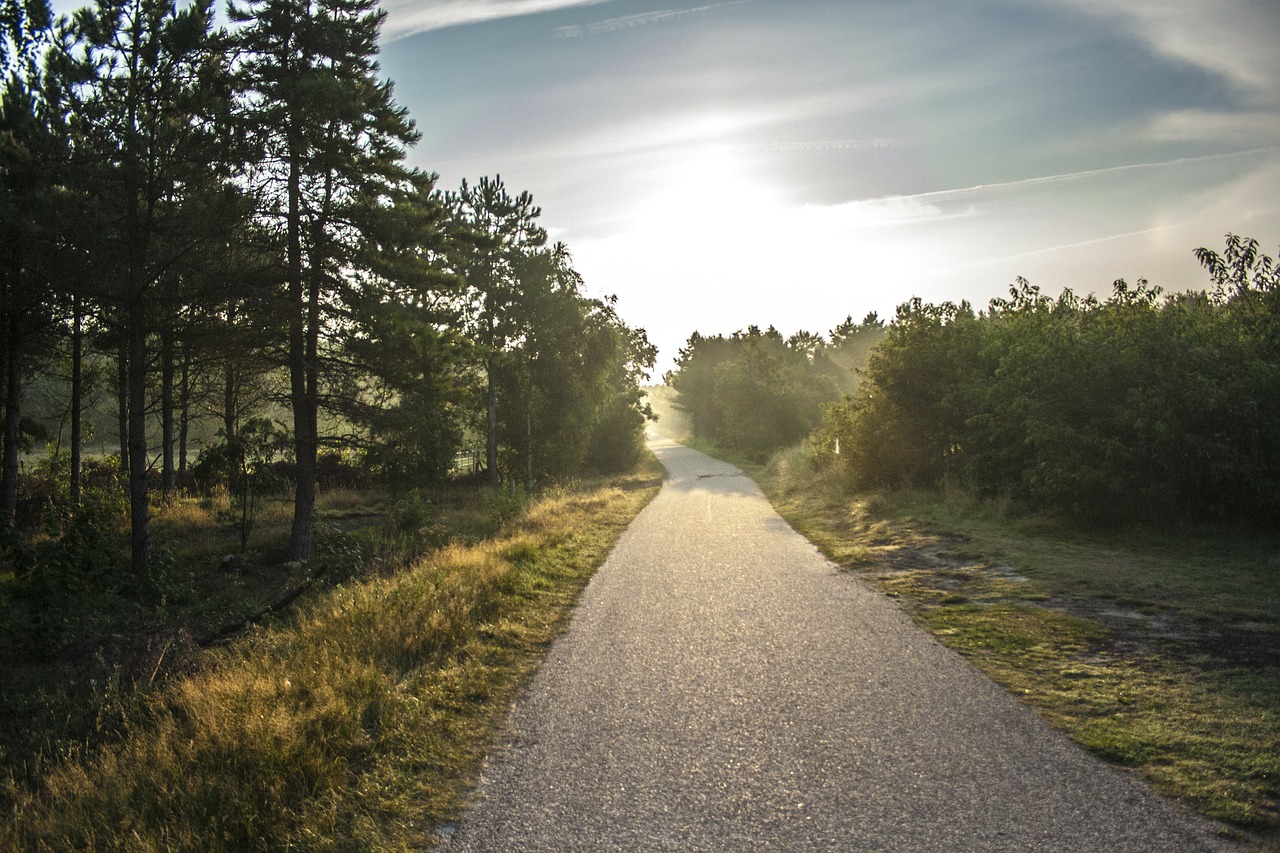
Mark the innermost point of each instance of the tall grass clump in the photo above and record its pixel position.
(352, 726)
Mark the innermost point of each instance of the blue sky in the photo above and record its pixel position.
(719, 163)
(790, 162)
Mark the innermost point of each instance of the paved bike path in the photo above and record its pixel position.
(722, 686)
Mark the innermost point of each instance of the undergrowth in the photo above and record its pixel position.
(356, 723)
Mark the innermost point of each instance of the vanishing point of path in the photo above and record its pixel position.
(722, 686)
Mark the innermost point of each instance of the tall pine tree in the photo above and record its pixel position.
(143, 87)
(330, 133)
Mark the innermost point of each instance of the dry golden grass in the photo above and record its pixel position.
(356, 726)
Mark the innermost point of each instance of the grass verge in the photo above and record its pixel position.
(1157, 652)
(356, 724)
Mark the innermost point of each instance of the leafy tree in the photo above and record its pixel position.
(574, 360)
(695, 378)
(410, 360)
(770, 394)
(754, 391)
(849, 347)
(1139, 406)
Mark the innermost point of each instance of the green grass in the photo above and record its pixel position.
(356, 724)
(1157, 651)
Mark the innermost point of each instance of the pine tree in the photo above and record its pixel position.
(331, 135)
(143, 84)
(498, 232)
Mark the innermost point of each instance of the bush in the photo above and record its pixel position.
(618, 439)
(1137, 407)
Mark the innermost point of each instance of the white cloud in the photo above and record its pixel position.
(1231, 37)
(822, 145)
(406, 17)
(626, 22)
(1238, 128)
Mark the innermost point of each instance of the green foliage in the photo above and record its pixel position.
(617, 442)
(552, 359)
(338, 555)
(1141, 406)
(505, 503)
(23, 24)
(417, 520)
(61, 581)
(754, 392)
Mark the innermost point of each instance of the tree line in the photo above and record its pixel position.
(220, 222)
(756, 392)
(1142, 406)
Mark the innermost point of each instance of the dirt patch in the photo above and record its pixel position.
(1139, 630)
(1245, 646)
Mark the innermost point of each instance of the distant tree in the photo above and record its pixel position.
(850, 345)
(574, 362)
(771, 394)
(694, 380)
(496, 231)
(230, 347)
(755, 391)
(808, 344)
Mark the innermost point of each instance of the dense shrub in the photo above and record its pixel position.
(1139, 406)
(617, 441)
(756, 392)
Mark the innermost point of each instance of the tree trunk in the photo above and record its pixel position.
(491, 428)
(122, 403)
(77, 400)
(12, 429)
(168, 477)
(139, 511)
(231, 426)
(491, 398)
(184, 410)
(304, 438)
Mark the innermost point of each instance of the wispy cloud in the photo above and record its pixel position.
(626, 22)
(407, 17)
(821, 145)
(965, 192)
(1235, 38)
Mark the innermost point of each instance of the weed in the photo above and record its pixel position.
(505, 503)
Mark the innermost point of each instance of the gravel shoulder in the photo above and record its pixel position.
(722, 686)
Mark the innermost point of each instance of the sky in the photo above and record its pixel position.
(793, 162)
(717, 164)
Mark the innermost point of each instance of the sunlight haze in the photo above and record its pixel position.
(718, 164)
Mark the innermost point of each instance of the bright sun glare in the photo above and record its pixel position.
(719, 223)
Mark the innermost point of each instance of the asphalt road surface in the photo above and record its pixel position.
(722, 686)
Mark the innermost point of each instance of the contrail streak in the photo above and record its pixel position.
(962, 192)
